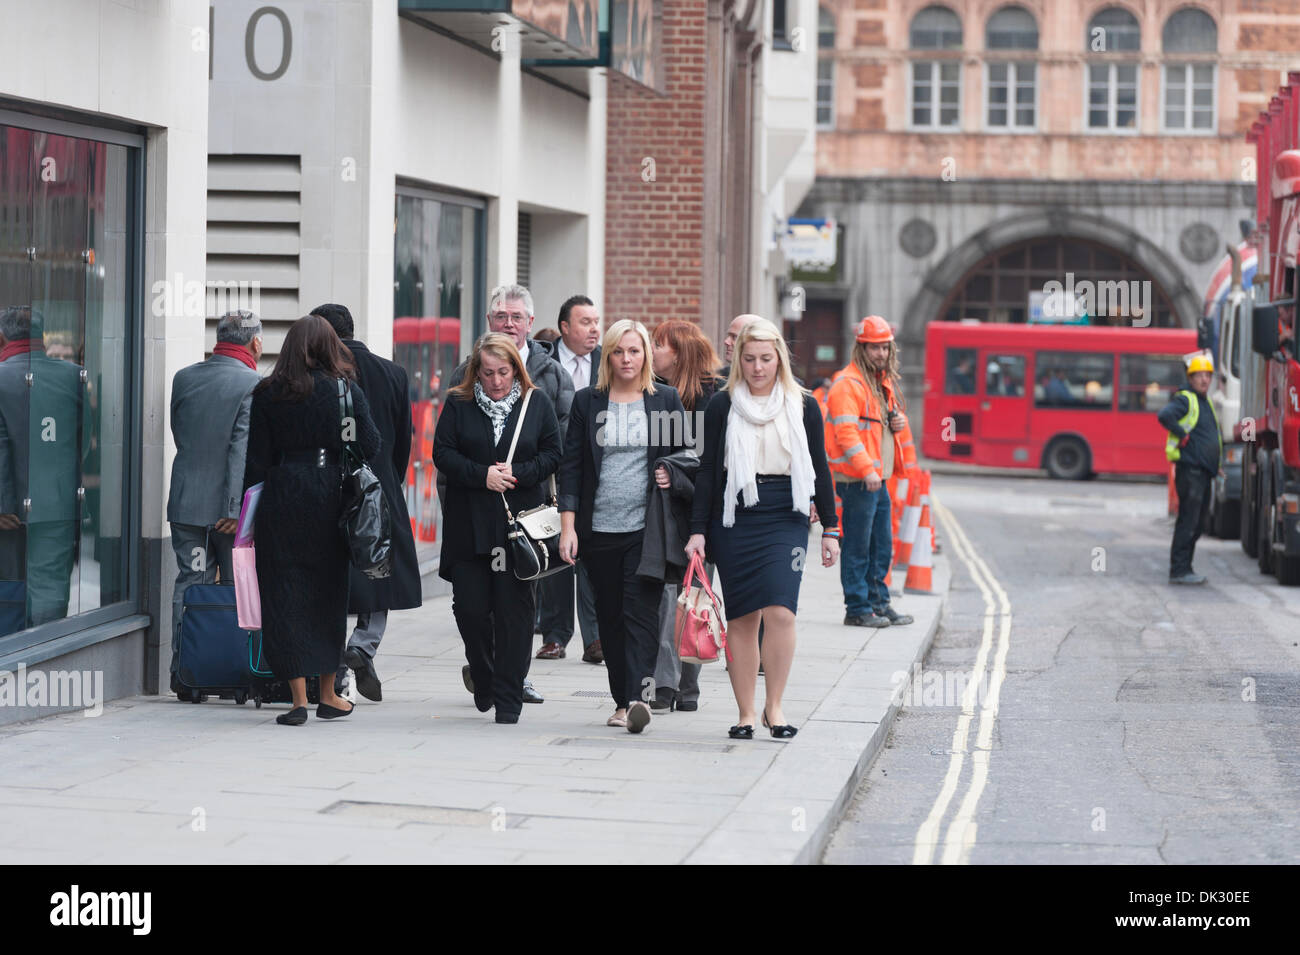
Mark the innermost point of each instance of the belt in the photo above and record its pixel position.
(315, 457)
(769, 478)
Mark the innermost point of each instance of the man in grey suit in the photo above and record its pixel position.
(209, 415)
(40, 431)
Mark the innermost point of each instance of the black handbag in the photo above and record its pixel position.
(363, 520)
(533, 535)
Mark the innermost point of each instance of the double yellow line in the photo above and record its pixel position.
(960, 838)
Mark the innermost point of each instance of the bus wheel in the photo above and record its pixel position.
(1067, 459)
(1249, 519)
(1264, 509)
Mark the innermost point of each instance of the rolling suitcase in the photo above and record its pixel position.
(218, 657)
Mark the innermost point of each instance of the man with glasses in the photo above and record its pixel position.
(510, 312)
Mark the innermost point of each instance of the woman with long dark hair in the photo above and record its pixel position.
(476, 430)
(296, 435)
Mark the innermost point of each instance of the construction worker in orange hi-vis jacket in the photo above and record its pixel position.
(864, 428)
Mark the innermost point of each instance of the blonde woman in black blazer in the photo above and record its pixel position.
(616, 431)
(494, 610)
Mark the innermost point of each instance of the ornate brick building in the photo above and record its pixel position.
(972, 151)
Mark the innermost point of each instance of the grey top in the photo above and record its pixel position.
(619, 504)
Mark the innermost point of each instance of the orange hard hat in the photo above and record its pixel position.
(873, 328)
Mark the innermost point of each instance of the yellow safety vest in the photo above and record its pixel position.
(1187, 422)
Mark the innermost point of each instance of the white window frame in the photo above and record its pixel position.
(1013, 73)
(817, 101)
(1189, 130)
(936, 84)
(1112, 87)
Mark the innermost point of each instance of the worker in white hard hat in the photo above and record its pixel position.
(1195, 446)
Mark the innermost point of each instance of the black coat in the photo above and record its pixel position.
(385, 386)
(302, 560)
(668, 520)
(711, 482)
(584, 448)
(474, 518)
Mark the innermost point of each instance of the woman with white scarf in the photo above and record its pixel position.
(761, 465)
(493, 609)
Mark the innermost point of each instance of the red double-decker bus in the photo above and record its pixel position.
(429, 349)
(1075, 400)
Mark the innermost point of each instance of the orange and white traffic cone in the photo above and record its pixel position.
(908, 523)
(921, 562)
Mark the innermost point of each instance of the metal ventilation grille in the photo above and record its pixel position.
(254, 241)
(524, 245)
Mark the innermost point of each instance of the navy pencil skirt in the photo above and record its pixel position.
(761, 557)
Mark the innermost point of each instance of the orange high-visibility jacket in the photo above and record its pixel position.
(820, 395)
(852, 447)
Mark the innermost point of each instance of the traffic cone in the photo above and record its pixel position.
(428, 506)
(908, 523)
(921, 561)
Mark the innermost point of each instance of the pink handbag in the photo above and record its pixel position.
(243, 558)
(701, 626)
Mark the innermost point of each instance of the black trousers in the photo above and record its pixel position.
(494, 613)
(1193, 487)
(627, 614)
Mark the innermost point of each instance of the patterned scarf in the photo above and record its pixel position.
(497, 411)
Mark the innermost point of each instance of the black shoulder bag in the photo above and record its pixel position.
(534, 534)
(363, 520)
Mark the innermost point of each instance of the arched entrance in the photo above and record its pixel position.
(999, 287)
(1049, 227)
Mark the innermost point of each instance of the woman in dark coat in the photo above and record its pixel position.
(295, 440)
(386, 388)
(494, 610)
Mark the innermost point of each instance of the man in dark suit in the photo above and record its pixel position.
(385, 386)
(209, 420)
(578, 352)
(40, 425)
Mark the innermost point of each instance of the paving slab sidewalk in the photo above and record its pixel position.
(424, 777)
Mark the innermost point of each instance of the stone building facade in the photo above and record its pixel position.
(972, 151)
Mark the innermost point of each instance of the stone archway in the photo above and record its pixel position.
(1046, 223)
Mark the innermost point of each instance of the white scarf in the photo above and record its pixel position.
(747, 415)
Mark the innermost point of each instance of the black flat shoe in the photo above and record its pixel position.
(507, 717)
(326, 712)
(780, 730)
(295, 717)
(465, 676)
(686, 706)
(741, 732)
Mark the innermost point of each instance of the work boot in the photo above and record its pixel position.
(895, 618)
(1188, 578)
(866, 620)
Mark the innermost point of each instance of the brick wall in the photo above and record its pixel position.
(1258, 40)
(654, 201)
